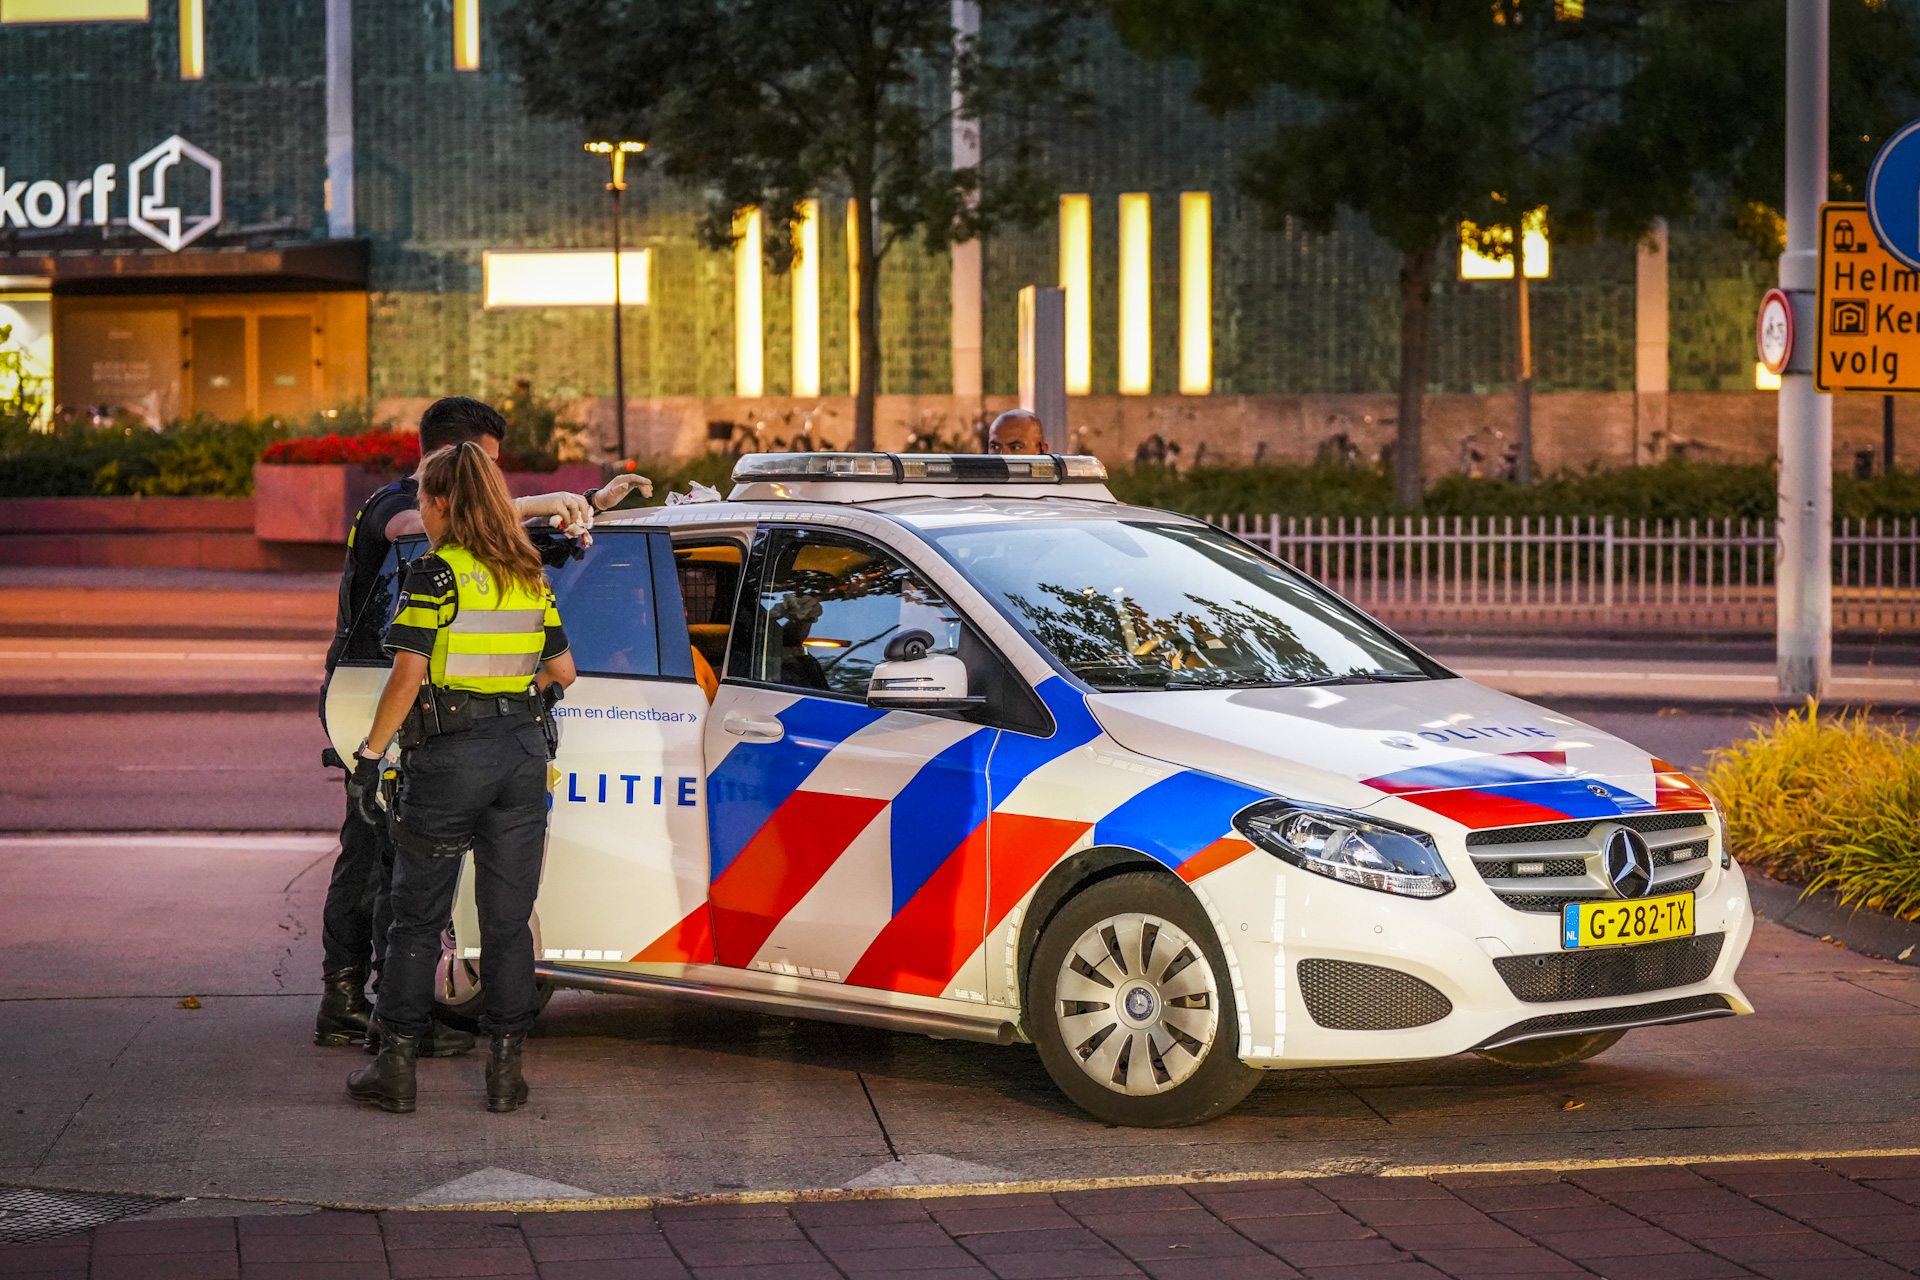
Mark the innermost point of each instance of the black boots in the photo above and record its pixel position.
(388, 1081)
(441, 1040)
(506, 1087)
(344, 1010)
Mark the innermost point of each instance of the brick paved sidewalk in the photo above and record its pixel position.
(1849, 1219)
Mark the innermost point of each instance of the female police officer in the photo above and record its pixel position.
(478, 626)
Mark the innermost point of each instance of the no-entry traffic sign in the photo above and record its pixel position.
(1867, 311)
(1893, 195)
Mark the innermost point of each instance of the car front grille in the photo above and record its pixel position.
(1685, 1009)
(1645, 823)
(1611, 971)
(1344, 996)
(1541, 867)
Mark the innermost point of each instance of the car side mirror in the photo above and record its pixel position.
(914, 679)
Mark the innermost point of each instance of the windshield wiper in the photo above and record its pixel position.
(1360, 677)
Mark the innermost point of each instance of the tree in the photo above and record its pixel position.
(770, 102)
(1419, 115)
(1708, 101)
(1411, 109)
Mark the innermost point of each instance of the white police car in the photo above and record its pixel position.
(996, 757)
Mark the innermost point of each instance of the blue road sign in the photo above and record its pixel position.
(1893, 195)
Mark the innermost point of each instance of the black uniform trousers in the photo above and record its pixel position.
(353, 924)
(484, 788)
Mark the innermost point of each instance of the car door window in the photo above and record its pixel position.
(828, 604)
(368, 632)
(709, 579)
(620, 606)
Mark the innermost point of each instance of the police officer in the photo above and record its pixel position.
(477, 640)
(354, 919)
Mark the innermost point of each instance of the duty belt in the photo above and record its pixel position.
(438, 711)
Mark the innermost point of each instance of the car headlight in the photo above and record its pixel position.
(1345, 847)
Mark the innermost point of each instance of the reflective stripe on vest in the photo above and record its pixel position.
(493, 644)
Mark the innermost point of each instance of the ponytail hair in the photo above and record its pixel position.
(480, 514)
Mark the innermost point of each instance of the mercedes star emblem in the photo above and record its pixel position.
(1629, 863)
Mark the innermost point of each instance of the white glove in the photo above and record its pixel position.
(696, 492)
(570, 513)
(615, 490)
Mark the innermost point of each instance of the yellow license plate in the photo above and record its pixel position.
(1619, 924)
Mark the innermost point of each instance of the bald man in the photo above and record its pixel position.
(1017, 431)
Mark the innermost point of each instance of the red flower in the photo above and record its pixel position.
(380, 450)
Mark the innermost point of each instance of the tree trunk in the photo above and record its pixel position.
(1416, 292)
(867, 275)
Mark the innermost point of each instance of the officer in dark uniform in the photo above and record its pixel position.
(476, 643)
(354, 921)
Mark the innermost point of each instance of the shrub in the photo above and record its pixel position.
(1832, 801)
(1673, 490)
(79, 459)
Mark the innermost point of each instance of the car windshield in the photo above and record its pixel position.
(1127, 604)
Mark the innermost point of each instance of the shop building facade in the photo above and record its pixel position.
(281, 207)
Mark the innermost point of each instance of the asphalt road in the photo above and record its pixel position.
(160, 771)
(111, 1085)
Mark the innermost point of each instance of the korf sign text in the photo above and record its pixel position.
(171, 195)
(1868, 310)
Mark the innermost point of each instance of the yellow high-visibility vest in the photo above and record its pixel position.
(493, 643)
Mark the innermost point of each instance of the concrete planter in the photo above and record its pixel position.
(318, 503)
(569, 477)
(310, 503)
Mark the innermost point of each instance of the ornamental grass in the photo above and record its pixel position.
(1829, 800)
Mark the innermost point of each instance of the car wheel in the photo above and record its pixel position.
(1130, 1006)
(1553, 1051)
(456, 988)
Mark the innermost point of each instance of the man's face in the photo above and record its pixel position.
(1019, 435)
(489, 445)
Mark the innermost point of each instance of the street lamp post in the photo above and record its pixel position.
(617, 152)
(1804, 572)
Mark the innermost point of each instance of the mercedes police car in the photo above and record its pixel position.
(997, 757)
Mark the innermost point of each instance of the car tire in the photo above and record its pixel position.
(457, 999)
(1553, 1051)
(1164, 1052)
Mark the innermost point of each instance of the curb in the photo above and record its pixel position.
(1819, 913)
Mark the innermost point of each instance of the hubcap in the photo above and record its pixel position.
(1137, 1004)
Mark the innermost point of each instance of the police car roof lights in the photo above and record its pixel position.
(819, 476)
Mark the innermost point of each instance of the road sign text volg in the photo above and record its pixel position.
(1868, 310)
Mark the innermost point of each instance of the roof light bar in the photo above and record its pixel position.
(922, 468)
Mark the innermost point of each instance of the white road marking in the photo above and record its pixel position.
(309, 844)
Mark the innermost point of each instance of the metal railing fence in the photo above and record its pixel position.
(1565, 571)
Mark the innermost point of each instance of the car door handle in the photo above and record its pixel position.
(741, 725)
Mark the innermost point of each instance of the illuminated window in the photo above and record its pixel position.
(806, 300)
(1764, 379)
(1076, 277)
(1196, 293)
(1475, 266)
(1136, 286)
(562, 277)
(466, 35)
(73, 10)
(748, 354)
(193, 39)
(1569, 11)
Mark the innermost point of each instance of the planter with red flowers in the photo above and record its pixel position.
(308, 489)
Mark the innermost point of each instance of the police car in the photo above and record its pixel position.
(997, 757)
